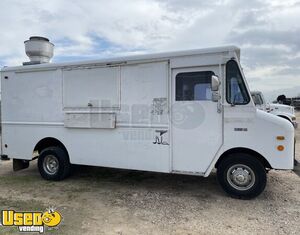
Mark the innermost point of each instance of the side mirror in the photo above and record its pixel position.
(215, 83)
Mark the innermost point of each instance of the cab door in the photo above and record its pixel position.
(195, 119)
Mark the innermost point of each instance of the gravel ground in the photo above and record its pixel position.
(106, 201)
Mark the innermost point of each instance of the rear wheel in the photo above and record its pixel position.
(54, 164)
(242, 175)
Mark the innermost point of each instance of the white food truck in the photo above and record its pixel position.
(184, 112)
(281, 110)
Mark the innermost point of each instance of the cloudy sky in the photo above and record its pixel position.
(267, 31)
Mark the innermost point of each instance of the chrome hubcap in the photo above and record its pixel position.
(240, 177)
(50, 164)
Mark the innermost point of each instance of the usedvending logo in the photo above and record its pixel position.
(31, 221)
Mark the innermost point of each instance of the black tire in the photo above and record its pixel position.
(61, 167)
(240, 165)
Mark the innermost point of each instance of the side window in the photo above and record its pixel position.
(193, 86)
(236, 92)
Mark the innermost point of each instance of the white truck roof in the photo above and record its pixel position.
(125, 59)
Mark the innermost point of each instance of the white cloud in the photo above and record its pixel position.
(267, 31)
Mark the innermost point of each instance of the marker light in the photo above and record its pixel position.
(280, 147)
(280, 137)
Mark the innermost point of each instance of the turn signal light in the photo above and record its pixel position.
(280, 147)
(280, 137)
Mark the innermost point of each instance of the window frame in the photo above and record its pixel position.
(243, 84)
(186, 72)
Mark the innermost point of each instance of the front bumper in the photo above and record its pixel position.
(296, 163)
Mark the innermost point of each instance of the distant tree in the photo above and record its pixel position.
(281, 98)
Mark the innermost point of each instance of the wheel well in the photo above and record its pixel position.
(285, 117)
(226, 154)
(48, 142)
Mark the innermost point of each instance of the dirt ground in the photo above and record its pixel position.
(106, 201)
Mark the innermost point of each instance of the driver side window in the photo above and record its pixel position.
(236, 92)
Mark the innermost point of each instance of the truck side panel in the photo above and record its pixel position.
(33, 109)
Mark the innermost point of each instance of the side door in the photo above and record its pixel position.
(196, 123)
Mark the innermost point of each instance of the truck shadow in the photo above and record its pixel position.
(92, 179)
(160, 182)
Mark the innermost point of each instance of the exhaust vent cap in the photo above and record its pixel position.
(39, 50)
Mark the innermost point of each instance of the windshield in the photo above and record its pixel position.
(236, 91)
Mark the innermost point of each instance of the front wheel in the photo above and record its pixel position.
(242, 176)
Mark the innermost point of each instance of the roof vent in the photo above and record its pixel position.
(39, 50)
